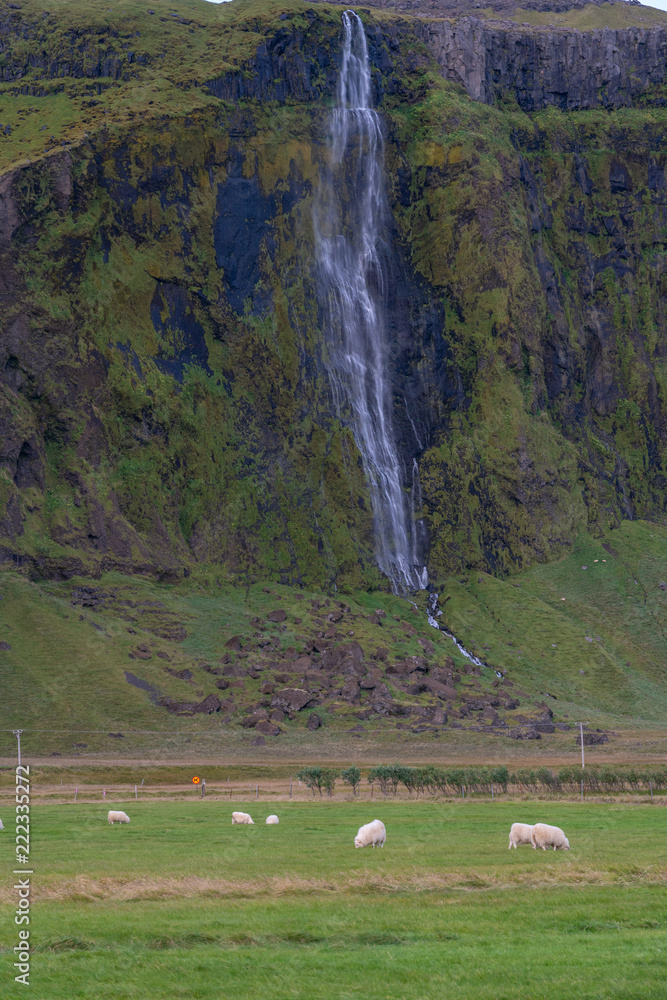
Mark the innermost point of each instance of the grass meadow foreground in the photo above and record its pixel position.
(181, 904)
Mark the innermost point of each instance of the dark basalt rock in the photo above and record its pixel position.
(542, 67)
(291, 699)
(267, 728)
(594, 739)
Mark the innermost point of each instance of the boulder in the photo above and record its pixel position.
(279, 615)
(182, 675)
(234, 670)
(351, 667)
(267, 728)
(594, 739)
(314, 721)
(439, 717)
(209, 705)
(300, 664)
(419, 663)
(511, 704)
(444, 691)
(427, 646)
(291, 699)
(350, 690)
(351, 651)
(222, 684)
(233, 643)
(524, 734)
(5, 646)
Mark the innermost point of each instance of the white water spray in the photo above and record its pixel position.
(350, 219)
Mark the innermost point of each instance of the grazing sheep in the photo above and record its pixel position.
(272, 819)
(117, 817)
(242, 818)
(1, 826)
(520, 833)
(549, 836)
(371, 834)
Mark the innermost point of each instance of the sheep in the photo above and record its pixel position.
(549, 836)
(371, 834)
(242, 818)
(272, 819)
(1, 825)
(117, 817)
(520, 833)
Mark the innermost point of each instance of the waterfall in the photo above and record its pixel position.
(351, 220)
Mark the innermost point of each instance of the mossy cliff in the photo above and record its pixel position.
(164, 398)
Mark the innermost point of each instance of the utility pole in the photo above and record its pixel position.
(583, 764)
(17, 734)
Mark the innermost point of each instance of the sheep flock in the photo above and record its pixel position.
(374, 834)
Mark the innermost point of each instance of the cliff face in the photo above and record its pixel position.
(164, 398)
(560, 68)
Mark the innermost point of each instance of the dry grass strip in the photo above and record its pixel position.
(83, 888)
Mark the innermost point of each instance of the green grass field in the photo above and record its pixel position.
(182, 904)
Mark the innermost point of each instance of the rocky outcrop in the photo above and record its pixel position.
(554, 67)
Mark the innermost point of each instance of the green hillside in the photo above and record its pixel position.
(72, 644)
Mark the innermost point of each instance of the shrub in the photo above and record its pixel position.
(352, 776)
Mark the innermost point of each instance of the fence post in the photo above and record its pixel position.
(290, 788)
(492, 791)
(257, 792)
(75, 793)
(371, 789)
(203, 787)
(650, 788)
(582, 789)
(135, 791)
(463, 794)
(142, 782)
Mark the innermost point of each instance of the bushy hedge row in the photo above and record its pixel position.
(455, 780)
(448, 781)
(451, 781)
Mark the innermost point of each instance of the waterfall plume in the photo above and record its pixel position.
(351, 222)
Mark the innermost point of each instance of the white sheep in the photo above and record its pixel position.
(242, 818)
(1, 825)
(549, 836)
(272, 819)
(371, 834)
(520, 833)
(117, 817)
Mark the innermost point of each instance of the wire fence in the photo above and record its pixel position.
(107, 766)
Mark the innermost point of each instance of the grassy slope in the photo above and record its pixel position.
(216, 39)
(608, 15)
(70, 661)
(180, 902)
